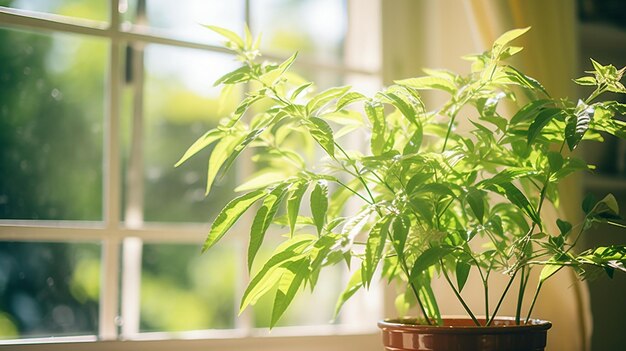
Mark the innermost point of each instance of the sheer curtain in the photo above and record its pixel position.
(434, 34)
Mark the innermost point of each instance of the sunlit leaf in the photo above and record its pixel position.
(354, 285)
(323, 134)
(263, 219)
(293, 204)
(319, 205)
(229, 216)
(205, 140)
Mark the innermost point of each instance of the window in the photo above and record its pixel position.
(99, 234)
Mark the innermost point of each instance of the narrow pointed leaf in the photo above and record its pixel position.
(354, 285)
(543, 118)
(349, 98)
(205, 140)
(319, 205)
(288, 285)
(376, 115)
(263, 219)
(509, 36)
(229, 216)
(323, 134)
(428, 83)
(219, 155)
(293, 204)
(529, 111)
(429, 257)
(271, 272)
(228, 34)
(374, 249)
(325, 97)
(462, 272)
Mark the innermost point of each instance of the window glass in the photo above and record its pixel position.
(48, 289)
(51, 121)
(184, 290)
(89, 9)
(315, 28)
(181, 104)
(185, 18)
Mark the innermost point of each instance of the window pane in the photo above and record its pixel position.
(48, 289)
(181, 105)
(199, 289)
(89, 9)
(185, 18)
(315, 28)
(51, 113)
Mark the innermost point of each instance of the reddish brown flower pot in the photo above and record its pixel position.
(460, 334)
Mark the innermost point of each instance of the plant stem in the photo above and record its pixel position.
(532, 305)
(458, 295)
(495, 312)
(354, 192)
(520, 295)
(405, 268)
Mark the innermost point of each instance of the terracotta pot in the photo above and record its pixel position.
(460, 334)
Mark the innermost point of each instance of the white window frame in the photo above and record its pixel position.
(121, 238)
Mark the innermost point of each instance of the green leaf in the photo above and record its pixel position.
(564, 226)
(407, 110)
(507, 37)
(374, 249)
(475, 198)
(228, 34)
(349, 98)
(319, 205)
(401, 225)
(462, 272)
(323, 134)
(376, 114)
(578, 124)
(219, 155)
(427, 295)
(263, 219)
(519, 78)
(325, 97)
(586, 81)
(354, 285)
(555, 160)
(229, 215)
(554, 265)
(428, 83)
(241, 74)
(293, 204)
(529, 110)
(428, 258)
(250, 137)
(606, 208)
(543, 118)
(288, 285)
(517, 198)
(205, 140)
(271, 272)
(414, 144)
(299, 90)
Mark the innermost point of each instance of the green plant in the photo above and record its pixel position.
(426, 191)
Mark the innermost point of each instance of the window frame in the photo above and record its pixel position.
(116, 236)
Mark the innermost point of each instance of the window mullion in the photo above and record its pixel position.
(109, 287)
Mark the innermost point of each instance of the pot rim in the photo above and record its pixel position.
(399, 324)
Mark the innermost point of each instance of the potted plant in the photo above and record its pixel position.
(433, 201)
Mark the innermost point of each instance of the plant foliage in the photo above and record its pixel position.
(427, 192)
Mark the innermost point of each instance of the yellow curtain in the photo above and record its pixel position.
(550, 55)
